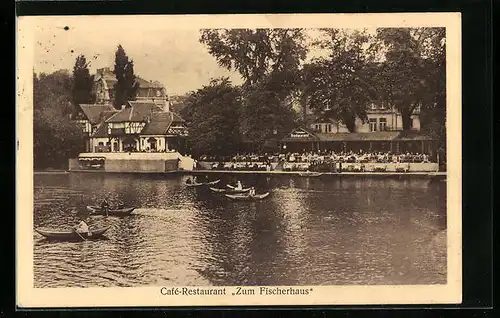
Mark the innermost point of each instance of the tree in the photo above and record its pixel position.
(269, 60)
(256, 53)
(340, 86)
(82, 82)
(412, 74)
(212, 115)
(55, 137)
(126, 86)
(265, 115)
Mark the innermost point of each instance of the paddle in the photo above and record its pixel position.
(79, 235)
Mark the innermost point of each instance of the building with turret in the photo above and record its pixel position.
(149, 91)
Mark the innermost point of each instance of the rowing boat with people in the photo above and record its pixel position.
(197, 184)
(72, 234)
(115, 212)
(230, 191)
(247, 197)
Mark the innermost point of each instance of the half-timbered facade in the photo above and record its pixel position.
(89, 116)
(140, 126)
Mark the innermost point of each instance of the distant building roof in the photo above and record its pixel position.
(135, 111)
(109, 76)
(94, 112)
(370, 136)
(147, 84)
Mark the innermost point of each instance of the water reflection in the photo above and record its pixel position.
(321, 231)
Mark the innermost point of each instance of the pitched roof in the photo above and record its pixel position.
(309, 136)
(159, 124)
(102, 129)
(94, 112)
(177, 118)
(412, 135)
(134, 112)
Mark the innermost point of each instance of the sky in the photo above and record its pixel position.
(169, 54)
(175, 58)
(167, 48)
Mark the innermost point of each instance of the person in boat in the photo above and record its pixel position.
(251, 192)
(239, 186)
(83, 228)
(189, 180)
(105, 206)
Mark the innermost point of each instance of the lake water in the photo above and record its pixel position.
(310, 231)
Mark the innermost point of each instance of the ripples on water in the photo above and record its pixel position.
(318, 231)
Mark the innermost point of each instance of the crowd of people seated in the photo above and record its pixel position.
(314, 161)
(308, 157)
(358, 157)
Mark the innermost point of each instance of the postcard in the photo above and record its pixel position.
(229, 160)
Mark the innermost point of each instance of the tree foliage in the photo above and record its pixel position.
(82, 82)
(339, 86)
(412, 75)
(212, 115)
(256, 53)
(126, 87)
(55, 137)
(265, 115)
(269, 60)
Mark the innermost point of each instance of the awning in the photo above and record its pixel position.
(91, 158)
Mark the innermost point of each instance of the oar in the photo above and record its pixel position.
(79, 235)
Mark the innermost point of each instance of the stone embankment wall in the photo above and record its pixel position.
(131, 162)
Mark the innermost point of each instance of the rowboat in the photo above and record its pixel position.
(218, 190)
(71, 234)
(115, 212)
(196, 184)
(310, 174)
(247, 197)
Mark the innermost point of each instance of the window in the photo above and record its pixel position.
(373, 124)
(383, 124)
(329, 128)
(317, 127)
(101, 144)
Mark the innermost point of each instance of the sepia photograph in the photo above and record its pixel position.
(245, 160)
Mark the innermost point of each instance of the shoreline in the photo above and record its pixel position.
(430, 174)
(51, 172)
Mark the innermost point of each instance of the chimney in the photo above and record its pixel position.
(166, 106)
